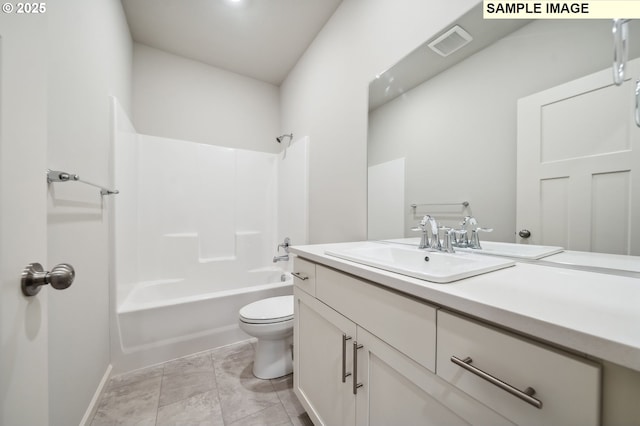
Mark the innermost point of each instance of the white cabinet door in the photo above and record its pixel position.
(23, 232)
(398, 391)
(577, 147)
(318, 361)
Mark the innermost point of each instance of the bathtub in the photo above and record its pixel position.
(165, 319)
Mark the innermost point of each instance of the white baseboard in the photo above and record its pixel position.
(93, 405)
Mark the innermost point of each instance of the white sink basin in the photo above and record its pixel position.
(429, 266)
(520, 251)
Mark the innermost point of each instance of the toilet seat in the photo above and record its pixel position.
(268, 311)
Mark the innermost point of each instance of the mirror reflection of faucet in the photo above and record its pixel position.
(474, 242)
(452, 237)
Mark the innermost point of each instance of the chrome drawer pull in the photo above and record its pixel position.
(526, 395)
(300, 276)
(637, 114)
(344, 357)
(356, 385)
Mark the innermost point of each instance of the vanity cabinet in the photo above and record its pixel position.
(388, 340)
(368, 355)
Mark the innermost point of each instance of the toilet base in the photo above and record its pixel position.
(273, 358)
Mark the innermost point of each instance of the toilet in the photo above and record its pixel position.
(271, 321)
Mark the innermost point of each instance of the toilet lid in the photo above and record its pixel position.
(273, 309)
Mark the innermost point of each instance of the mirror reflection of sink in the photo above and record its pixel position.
(520, 251)
(411, 261)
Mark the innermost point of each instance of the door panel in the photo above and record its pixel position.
(577, 146)
(23, 325)
(554, 211)
(398, 391)
(318, 361)
(610, 214)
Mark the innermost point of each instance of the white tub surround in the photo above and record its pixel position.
(196, 228)
(572, 336)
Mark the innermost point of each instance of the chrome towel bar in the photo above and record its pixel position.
(463, 204)
(58, 176)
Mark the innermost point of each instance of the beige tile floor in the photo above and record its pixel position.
(209, 388)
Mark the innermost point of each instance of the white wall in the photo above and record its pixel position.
(90, 53)
(326, 97)
(457, 131)
(178, 98)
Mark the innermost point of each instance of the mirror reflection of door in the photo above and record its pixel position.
(577, 146)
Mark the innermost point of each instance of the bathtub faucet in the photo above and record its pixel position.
(283, 258)
(284, 245)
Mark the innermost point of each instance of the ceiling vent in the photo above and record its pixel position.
(450, 41)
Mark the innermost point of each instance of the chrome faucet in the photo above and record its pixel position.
(283, 258)
(467, 221)
(284, 245)
(474, 242)
(429, 228)
(475, 239)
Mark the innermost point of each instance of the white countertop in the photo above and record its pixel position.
(593, 313)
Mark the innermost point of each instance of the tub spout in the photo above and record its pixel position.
(283, 258)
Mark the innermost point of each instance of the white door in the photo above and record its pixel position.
(23, 134)
(577, 146)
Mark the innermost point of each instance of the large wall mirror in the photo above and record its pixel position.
(448, 130)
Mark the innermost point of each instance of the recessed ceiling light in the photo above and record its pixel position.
(240, 4)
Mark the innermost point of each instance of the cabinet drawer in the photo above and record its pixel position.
(304, 275)
(567, 387)
(404, 323)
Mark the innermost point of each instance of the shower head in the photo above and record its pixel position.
(280, 138)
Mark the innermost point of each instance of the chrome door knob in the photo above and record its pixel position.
(524, 233)
(34, 277)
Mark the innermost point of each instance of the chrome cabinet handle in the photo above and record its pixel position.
(300, 276)
(356, 385)
(344, 357)
(637, 112)
(526, 395)
(34, 277)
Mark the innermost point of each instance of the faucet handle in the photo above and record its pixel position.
(447, 244)
(285, 245)
(424, 239)
(450, 239)
(475, 240)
